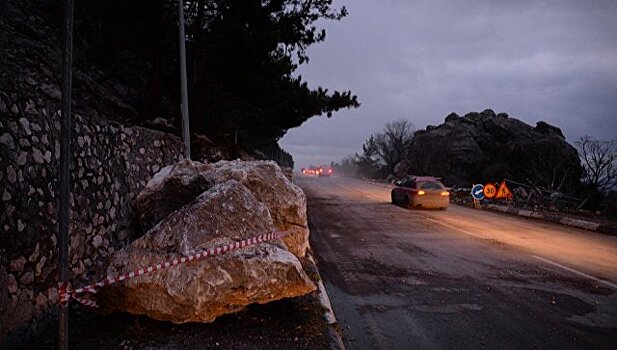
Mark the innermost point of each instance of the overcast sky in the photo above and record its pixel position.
(535, 60)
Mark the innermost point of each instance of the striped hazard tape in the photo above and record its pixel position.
(65, 293)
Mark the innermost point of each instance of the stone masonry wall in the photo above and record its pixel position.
(111, 164)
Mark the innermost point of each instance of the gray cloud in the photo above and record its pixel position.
(536, 60)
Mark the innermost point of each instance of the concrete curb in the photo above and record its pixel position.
(324, 299)
(578, 223)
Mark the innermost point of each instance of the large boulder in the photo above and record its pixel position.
(286, 201)
(202, 290)
(179, 184)
(488, 146)
(170, 189)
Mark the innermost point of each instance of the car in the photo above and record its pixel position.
(324, 171)
(421, 192)
(309, 171)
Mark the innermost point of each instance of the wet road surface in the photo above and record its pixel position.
(459, 279)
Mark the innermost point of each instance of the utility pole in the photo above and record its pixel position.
(186, 136)
(64, 176)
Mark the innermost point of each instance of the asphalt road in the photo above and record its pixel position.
(459, 279)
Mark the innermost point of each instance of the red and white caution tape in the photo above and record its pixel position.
(65, 293)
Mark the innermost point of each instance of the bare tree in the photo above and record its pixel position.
(552, 176)
(393, 142)
(600, 162)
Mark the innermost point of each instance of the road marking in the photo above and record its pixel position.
(569, 269)
(550, 262)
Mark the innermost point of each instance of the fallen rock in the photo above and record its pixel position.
(268, 183)
(179, 184)
(201, 291)
(171, 188)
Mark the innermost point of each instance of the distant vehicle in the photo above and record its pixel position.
(317, 171)
(324, 171)
(421, 192)
(309, 171)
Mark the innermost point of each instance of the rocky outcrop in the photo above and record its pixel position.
(240, 204)
(487, 146)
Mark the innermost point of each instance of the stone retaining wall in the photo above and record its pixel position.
(111, 164)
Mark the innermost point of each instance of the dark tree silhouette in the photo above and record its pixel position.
(242, 55)
(599, 160)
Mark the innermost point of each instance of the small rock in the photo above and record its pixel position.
(52, 295)
(7, 141)
(6, 196)
(12, 284)
(20, 225)
(81, 269)
(24, 143)
(47, 156)
(10, 174)
(41, 301)
(27, 278)
(35, 127)
(39, 267)
(37, 155)
(22, 158)
(35, 254)
(50, 208)
(25, 124)
(17, 265)
(97, 241)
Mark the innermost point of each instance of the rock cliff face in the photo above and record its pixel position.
(218, 204)
(485, 146)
